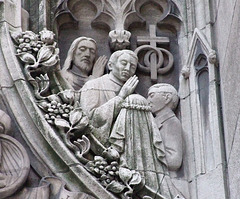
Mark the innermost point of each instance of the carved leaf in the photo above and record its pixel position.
(136, 179)
(43, 105)
(83, 144)
(27, 58)
(75, 116)
(98, 158)
(43, 83)
(61, 123)
(128, 7)
(125, 174)
(52, 61)
(45, 53)
(115, 187)
(82, 123)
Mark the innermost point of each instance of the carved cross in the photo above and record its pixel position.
(153, 40)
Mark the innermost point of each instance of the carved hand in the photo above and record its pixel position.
(129, 87)
(99, 66)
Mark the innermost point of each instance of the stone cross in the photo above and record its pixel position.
(153, 40)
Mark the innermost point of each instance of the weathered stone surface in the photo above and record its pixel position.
(69, 145)
(227, 29)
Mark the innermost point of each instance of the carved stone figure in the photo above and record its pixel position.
(78, 67)
(136, 137)
(163, 99)
(101, 98)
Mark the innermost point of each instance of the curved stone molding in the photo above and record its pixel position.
(50, 187)
(118, 16)
(208, 51)
(62, 12)
(14, 165)
(45, 143)
(5, 123)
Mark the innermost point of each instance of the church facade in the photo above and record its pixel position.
(153, 112)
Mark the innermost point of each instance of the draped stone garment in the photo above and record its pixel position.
(138, 140)
(101, 104)
(76, 81)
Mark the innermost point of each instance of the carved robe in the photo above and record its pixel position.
(138, 140)
(75, 80)
(171, 132)
(101, 104)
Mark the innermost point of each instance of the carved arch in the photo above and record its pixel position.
(199, 84)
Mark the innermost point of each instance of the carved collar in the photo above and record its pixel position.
(115, 80)
(163, 117)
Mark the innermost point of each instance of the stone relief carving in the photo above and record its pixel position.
(163, 100)
(154, 56)
(84, 119)
(15, 167)
(39, 55)
(117, 16)
(80, 62)
(101, 98)
(103, 124)
(14, 161)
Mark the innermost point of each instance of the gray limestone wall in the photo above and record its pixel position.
(226, 27)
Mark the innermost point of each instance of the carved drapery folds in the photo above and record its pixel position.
(65, 131)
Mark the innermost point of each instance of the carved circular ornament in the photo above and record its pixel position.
(160, 59)
(14, 165)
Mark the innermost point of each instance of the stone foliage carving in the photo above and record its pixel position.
(93, 123)
(15, 167)
(39, 55)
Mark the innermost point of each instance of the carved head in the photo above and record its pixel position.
(82, 54)
(162, 95)
(123, 64)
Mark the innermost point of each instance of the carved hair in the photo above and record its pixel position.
(114, 57)
(167, 88)
(72, 49)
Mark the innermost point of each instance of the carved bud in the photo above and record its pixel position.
(47, 36)
(111, 154)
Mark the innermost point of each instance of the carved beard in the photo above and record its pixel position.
(82, 66)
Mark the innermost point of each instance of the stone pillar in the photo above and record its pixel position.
(10, 12)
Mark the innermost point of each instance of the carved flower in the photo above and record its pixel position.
(29, 36)
(47, 36)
